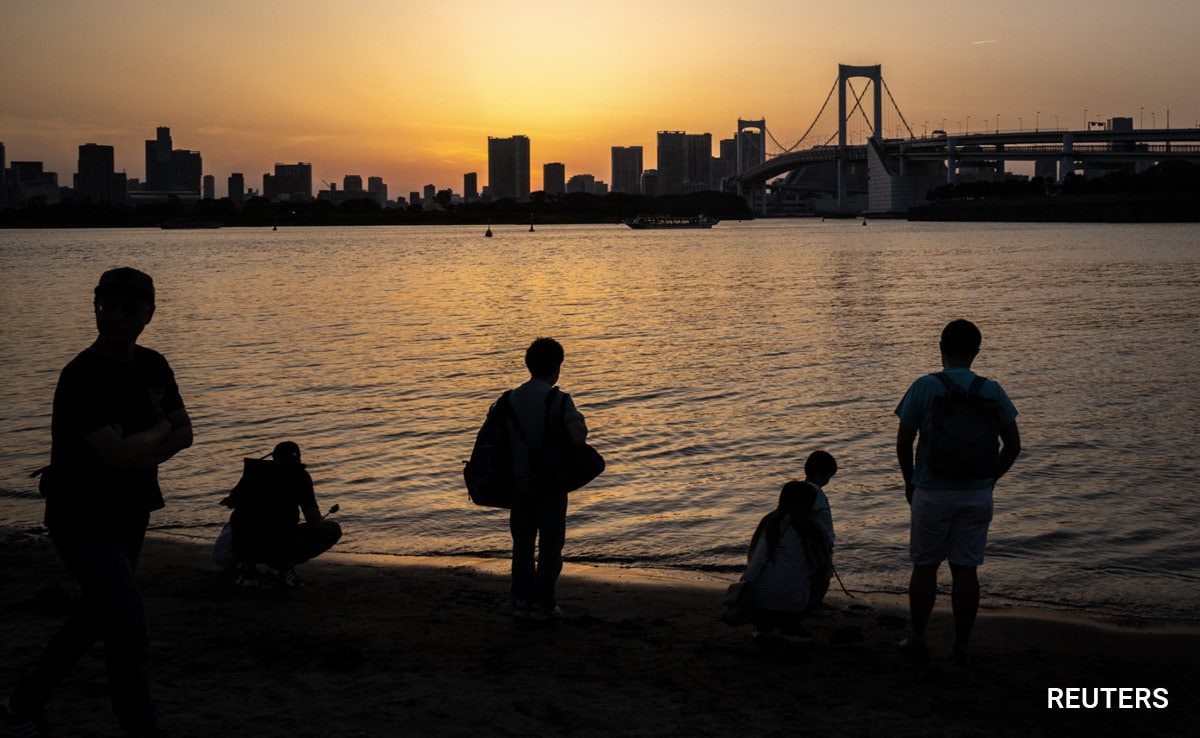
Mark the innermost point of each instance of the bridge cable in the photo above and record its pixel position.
(858, 106)
(897, 107)
(812, 125)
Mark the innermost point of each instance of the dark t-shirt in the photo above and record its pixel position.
(94, 392)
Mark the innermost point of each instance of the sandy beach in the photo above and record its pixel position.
(418, 647)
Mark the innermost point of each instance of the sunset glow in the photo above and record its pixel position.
(410, 91)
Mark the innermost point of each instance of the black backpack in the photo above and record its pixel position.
(556, 467)
(265, 511)
(559, 466)
(964, 433)
(488, 473)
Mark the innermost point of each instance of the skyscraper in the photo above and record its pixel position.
(581, 183)
(290, 181)
(699, 162)
(210, 187)
(725, 165)
(95, 181)
(158, 161)
(471, 186)
(377, 189)
(237, 188)
(672, 162)
(627, 169)
(554, 178)
(187, 171)
(508, 167)
(352, 183)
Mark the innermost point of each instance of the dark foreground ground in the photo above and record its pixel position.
(371, 649)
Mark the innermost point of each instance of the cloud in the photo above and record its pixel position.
(988, 41)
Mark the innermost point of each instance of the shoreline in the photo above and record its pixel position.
(426, 646)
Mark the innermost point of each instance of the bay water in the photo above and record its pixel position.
(708, 364)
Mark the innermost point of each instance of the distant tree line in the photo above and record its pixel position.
(257, 211)
(1170, 176)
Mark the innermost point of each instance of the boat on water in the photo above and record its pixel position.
(671, 221)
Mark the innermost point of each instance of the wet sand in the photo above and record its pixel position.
(420, 647)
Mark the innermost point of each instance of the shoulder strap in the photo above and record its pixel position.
(546, 430)
(973, 390)
(947, 382)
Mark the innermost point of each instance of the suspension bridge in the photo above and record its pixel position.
(859, 168)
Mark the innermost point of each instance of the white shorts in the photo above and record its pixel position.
(949, 524)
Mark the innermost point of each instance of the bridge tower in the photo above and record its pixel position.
(845, 73)
(751, 147)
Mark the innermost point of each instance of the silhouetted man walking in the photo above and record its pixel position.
(117, 415)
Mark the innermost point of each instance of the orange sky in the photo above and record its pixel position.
(410, 91)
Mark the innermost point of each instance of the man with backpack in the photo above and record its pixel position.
(541, 420)
(961, 420)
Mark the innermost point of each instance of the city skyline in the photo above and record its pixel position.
(411, 93)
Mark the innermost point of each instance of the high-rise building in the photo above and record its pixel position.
(650, 186)
(237, 187)
(471, 186)
(169, 169)
(554, 178)
(672, 162)
(725, 165)
(508, 167)
(627, 169)
(187, 171)
(290, 182)
(3, 177)
(352, 183)
(29, 181)
(96, 182)
(210, 187)
(699, 162)
(581, 183)
(377, 190)
(158, 161)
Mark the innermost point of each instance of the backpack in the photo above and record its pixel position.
(488, 473)
(264, 507)
(964, 432)
(556, 467)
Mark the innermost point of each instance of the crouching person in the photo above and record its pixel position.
(265, 525)
(788, 563)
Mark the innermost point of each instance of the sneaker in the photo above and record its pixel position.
(32, 725)
(520, 609)
(961, 654)
(798, 634)
(287, 577)
(914, 650)
(542, 613)
(247, 575)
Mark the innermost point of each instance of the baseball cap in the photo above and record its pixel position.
(127, 280)
(286, 450)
